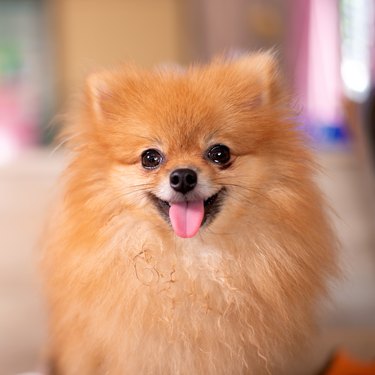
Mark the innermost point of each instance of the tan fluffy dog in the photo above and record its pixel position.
(190, 238)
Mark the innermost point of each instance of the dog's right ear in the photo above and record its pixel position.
(98, 92)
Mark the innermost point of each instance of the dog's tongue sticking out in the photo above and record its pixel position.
(186, 218)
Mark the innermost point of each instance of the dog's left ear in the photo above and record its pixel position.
(262, 69)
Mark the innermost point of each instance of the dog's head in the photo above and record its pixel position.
(190, 149)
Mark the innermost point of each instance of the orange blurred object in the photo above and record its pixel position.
(343, 364)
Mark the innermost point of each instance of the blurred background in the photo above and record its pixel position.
(327, 52)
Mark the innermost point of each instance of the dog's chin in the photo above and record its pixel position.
(212, 207)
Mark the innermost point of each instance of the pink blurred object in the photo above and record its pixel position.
(18, 125)
(314, 54)
(24, 78)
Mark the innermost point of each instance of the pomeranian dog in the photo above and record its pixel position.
(190, 237)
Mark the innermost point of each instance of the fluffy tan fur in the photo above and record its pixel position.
(125, 295)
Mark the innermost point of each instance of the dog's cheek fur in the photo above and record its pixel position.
(127, 297)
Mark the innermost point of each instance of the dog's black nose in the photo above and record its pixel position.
(183, 180)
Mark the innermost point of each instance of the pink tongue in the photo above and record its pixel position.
(186, 218)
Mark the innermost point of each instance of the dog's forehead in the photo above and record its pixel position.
(178, 119)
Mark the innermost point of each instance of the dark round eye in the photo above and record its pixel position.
(219, 154)
(151, 159)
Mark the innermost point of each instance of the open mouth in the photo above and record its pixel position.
(187, 217)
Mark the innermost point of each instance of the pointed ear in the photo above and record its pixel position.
(98, 90)
(263, 67)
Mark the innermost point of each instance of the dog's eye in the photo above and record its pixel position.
(218, 154)
(151, 159)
